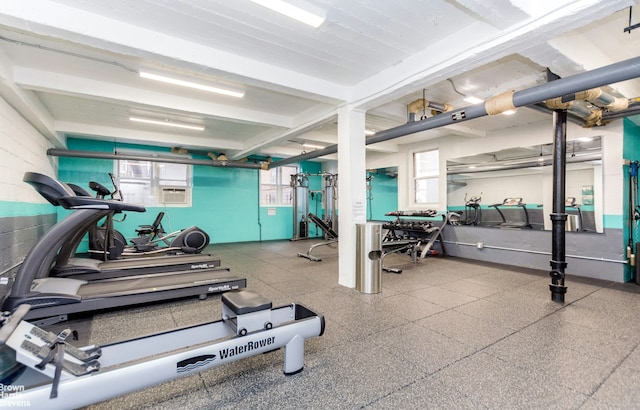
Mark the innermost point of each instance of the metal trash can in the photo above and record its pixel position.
(369, 257)
(572, 224)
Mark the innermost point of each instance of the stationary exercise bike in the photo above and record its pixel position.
(107, 243)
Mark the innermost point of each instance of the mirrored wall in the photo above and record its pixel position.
(513, 188)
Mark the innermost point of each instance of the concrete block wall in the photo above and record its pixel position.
(594, 255)
(24, 214)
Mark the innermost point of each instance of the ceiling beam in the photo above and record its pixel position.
(578, 49)
(305, 125)
(144, 137)
(473, 47)
(53, 19)
(621, 71)
(41, 80)
(27, 104)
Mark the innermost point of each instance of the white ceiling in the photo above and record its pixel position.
(71, 66)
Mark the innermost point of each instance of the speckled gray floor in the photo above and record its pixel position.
(445, 333)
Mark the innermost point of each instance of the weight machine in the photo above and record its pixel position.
(326, 197)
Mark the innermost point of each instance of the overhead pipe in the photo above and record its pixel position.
(588, 104)
(634, 109)
(58, 152)
(596, 96)
(421, 105)
(613, 73)
(603, 99)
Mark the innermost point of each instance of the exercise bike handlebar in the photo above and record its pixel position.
(116, 195)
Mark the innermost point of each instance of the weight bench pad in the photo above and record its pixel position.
(245, 301)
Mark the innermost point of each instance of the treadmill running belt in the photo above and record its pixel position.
(101, 289)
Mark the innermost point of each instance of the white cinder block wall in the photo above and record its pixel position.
(23, 149)
(24, 215)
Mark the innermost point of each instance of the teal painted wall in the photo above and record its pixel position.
(631, 152)
(9, 208)
(225, 201)
(382, 198)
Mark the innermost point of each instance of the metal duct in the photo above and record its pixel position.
(57, 152)
(622, 71)
(421, 105)
(582, 104)
(595, 96)
(634, 109)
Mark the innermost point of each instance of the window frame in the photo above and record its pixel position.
(155, 182)
(434, 175)
(280, 188)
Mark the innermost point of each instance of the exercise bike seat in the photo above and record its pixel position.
(149, 229)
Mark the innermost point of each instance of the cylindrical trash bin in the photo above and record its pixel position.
(369, 257)
(572, 224)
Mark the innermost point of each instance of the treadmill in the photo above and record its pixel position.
(68, 266)
(54, 298)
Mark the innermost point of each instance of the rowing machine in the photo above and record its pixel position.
(58, 375)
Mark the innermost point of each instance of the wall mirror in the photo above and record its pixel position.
(513, 188)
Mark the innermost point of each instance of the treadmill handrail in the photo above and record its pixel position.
(51, 189)
(83, 202)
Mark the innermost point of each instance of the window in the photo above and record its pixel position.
(154, 183)
(275, 186)
(426, 171)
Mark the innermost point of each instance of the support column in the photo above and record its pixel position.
(352, 191)
(558, 215)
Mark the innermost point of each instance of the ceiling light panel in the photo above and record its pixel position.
(313, 146)
(473, 100)
(168, 123)
(190, 84)
(314, 19)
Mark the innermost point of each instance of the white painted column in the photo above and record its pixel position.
(351, 189)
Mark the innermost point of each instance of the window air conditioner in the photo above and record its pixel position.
(173, 195)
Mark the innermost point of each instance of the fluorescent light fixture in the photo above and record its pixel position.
(168, 123)
(509, 112)
(190, 84)
(313, 146)
(294, 12)
(585, 139)
(473, 100)
(369, 133)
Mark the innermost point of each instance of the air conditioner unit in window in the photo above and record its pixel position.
(173, 195)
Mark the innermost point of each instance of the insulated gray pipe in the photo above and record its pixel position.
(57, 152)
(634, 109)
(622, 71)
